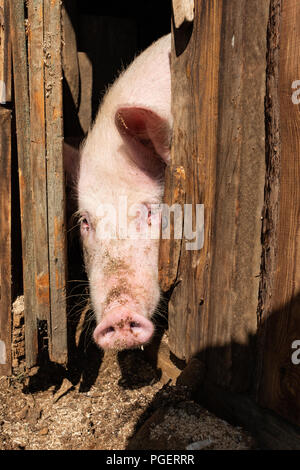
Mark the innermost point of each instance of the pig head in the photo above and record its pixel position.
(120, 180)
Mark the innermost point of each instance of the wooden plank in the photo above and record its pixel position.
(279, 387)
(183, 11)
(194, 146)
(21, 93)
(240, 175)
(5, 54)
(38, 158)
(5, 241)
(55, 181)
(43, 269)
(218, 146)
(5, 193)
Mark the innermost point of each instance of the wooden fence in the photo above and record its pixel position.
(234, 304)
(236, 147)
(37, 76)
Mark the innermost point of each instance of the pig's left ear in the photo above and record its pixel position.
(145, 130)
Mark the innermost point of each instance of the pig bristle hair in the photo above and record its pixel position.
(161, 310)
(75, 220)
(76, 217)
(83, 310)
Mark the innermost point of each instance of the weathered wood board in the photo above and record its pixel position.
(5, 241)
(5, 192)
(37, 158)
(218, 159)
(5, 54)
(279, 386)
(38, 103)
(21, 94)
(55, 181)
(190, 178)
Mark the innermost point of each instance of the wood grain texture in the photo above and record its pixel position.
(183, 11)
(38, 101)
(21, 93)
(5, 193)
(218, 89)
(5, 242)
(240, 176)
(279, 387)
(5, 53)
(38, 158)
(195, 76)
(55, 180)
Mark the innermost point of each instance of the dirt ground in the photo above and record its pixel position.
(114, 402)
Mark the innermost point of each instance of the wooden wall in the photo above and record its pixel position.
(38, 107)
(279, 380)
(235, 303)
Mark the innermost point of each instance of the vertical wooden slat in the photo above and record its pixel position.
(5, 241)
(38, 158)
(5, 192)
(218, 90)
(5, 54)
(195, 76)
(240, 176)
(55, 179)
(279, 387)
(21, 94)
(41, 173)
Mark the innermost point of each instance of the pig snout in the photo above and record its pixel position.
(123, 329)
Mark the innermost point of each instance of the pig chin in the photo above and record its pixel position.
(125, 323)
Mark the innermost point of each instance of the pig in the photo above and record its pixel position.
(124, 156)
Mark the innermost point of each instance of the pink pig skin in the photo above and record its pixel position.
(125, 154)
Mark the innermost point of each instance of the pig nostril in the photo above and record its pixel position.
(110, 329)
(123, 329)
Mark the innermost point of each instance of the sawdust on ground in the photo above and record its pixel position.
(116, 402)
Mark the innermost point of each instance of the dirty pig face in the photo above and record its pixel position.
(124, 286)
(122, 267)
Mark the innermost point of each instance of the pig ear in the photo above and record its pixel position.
(146, 131)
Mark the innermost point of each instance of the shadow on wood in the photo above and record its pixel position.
(270, 430)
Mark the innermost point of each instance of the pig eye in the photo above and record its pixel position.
(153, 215)
(85, 225)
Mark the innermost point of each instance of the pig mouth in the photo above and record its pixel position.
(123, 329)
